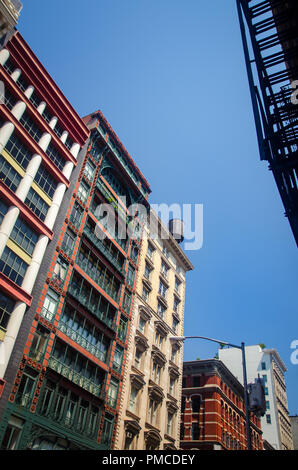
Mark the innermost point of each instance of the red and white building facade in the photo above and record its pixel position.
(213, 412)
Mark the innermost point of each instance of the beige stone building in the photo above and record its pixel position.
(9, 15)
(150, 402)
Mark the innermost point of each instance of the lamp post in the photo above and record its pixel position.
(242, 347)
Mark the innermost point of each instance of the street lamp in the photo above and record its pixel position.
(242, 347)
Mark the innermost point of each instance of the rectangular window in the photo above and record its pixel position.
(263, 365)
(26, 388)
(35, 99)
(49, 306)
(24, 236)
(161, 309)
(170, 423)
(6, 307)
(37, 204)
(22, 83)
(132, 406)
(126, 300)
(59, 272)
(58, 130)
(68, 242)
(45, 181)
(175, 324)
(130, 277)
(89, 170)
(18, 151)
(153, 412)
(47, 115)
(113, 392)
(150, 251)
(83, 192)
(176, 304)
(9, 175)
(55, 156)
(3, 210)
(30, 126)
(122, 329)
(76, 214)
(162, 289)
(145, 294)
(9, 99)
(107, 429)
(268, 419)
(118, 356)
(164, 269)
(177, 284)
(39, 343)
(13, 266)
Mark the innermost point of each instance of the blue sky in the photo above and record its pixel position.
(170, 78)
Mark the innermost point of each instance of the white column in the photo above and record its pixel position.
(26, 182)
(33, 268)
(7, 225)
(17, 315)
(7, 345)
(15, 74)
(64, 136)
(75, 149)
(5, 133)
(4, 54)
(18, 110)
(29, 91)
(41, 107)
(53, 122)
(67, 169)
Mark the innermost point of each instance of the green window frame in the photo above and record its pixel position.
(49, 307)
(107, 429)
(76, 214)
(39, 343)
(13, 266)
(118, 358)
(89, 170)
(122, 328)
(113, 392)
(26, 387)
(24, 236)
(83, 192)
(37, 204)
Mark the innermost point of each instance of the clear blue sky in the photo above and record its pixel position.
(170, 78)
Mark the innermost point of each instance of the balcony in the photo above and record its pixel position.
(84, 300)
(74, 377)
(103, 248)
(112, 201)
(83, 342)
(98, 278)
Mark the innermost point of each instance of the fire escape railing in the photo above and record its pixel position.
(270, 41)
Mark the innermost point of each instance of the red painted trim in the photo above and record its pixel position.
(34, 147)
(82, 351)
(119, 143)
(37, 117)
(26, 213)
(15, 291)
(45, 86)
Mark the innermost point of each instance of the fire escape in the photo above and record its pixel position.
(269, 32)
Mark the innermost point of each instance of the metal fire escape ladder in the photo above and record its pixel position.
(270, 27)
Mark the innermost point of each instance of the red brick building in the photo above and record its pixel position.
(213, 412)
